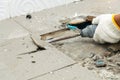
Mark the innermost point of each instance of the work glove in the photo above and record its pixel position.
(107, 30)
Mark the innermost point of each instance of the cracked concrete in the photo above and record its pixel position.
(51, 63)
(22, 65)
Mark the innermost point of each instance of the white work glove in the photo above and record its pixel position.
(106, 31)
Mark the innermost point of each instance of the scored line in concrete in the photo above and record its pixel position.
(73, 72)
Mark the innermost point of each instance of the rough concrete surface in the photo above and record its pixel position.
(25, 62)
(67, 74)
(28, 65)
(10, 29)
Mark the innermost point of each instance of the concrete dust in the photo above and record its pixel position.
(110, 72)
(87, 52)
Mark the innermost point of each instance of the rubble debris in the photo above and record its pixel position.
(58, 45)
(33, 61)
(81, 22)
(107, 63)
(81, 25)
(114, 48)
(110, 59)
(83, 64)
(32, 56)
(28, 16)
(111, 65)
(116, 70)
(118, 63)
(100, 63)
(107, 54)
(88, 63)
(64, 21)
(91, 55)
(106, 75)
(109, 68)
(95, 58)
(90, 68)
(76, 21)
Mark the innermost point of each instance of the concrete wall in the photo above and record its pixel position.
(11, 8)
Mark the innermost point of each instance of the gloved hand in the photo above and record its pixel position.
(107, 30)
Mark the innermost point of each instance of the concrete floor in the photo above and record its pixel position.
(49, 64)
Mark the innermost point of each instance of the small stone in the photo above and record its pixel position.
(109, 68)
(112, 65)
(118, 63)
(90, 68)
(83, 64)
(100, 63)
(107, 54)
(95, 58)
(32, 56)
(116, 71)
(110, 59)
(33, 61)
(91, 55)
(65, 21)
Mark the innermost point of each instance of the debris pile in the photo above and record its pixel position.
(107, 64)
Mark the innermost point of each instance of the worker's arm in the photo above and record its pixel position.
(108, 29)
